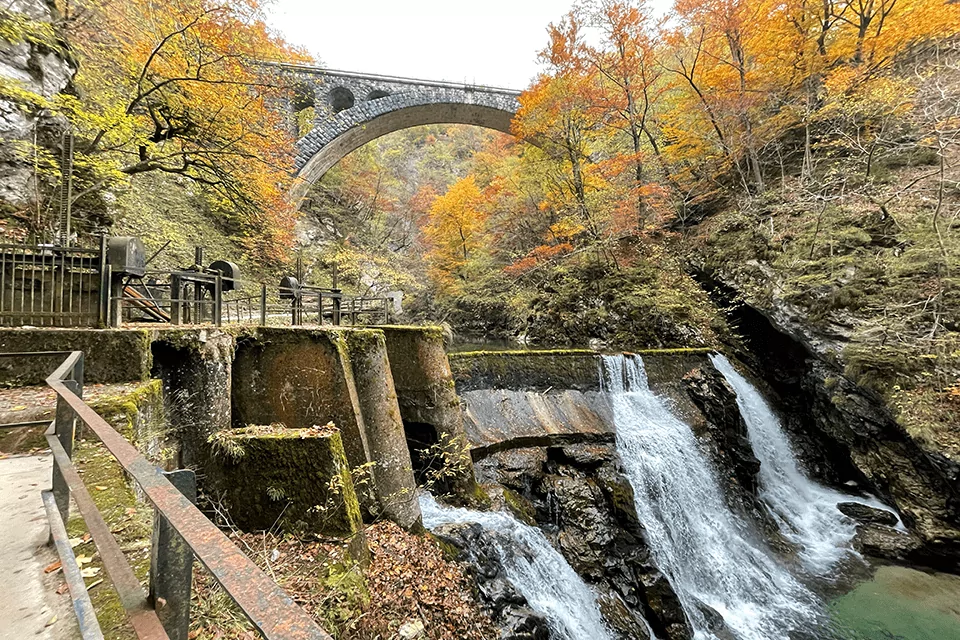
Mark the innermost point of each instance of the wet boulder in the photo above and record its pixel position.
(472, 546)
(725, 427)
(867, 515)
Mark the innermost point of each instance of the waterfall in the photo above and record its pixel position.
(535, 568)
(806, 512)
(709, 555)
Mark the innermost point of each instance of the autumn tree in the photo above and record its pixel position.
(456, 233)
(177, 87)
(629, 87)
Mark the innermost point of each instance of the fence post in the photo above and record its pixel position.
(336, 309)
(104, 313)
(263, 304)
(116, 299)
(171, 564)
(176, 302)
(218, 301)
(386, 311)
(65, 430)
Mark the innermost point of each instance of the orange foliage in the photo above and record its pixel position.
(176, 87)
(537, 256)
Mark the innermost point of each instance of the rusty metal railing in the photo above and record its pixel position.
(51, 286)
(196, 298)
(181, 533)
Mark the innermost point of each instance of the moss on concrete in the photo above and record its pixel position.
(109, 355)
(297, 479)
(532, 370)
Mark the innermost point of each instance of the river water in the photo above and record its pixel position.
(535, 568)
(709, 554)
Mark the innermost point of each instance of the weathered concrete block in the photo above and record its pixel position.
(297, 479)
(195, 366)
(428, 401)
(300, 377)
(394, 483)
(109, 355)
(296, 377)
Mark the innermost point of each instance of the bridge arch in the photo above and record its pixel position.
(338, 134)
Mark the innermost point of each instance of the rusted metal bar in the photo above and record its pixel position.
(171, 564)
(270, 610)
(34, 354)
(65, 431)
(24, 425)
(82, 607)
(143, 619)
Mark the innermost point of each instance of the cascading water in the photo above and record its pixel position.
(535, 568)
(806, 512)
(709, 555)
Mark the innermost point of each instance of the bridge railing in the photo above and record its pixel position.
(181, 533)
(338, 73)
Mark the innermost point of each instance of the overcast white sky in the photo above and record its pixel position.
(492, 42)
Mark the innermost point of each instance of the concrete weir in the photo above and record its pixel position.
(519, 399)
(219, 381)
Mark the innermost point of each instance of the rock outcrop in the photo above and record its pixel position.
(579, 496)
(726, 431)
(35, 66)
(843, 432)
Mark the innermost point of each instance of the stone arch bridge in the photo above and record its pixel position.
(352, 109)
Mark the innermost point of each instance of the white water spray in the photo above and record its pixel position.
(806, 511)
(535, 568)
(709, 555)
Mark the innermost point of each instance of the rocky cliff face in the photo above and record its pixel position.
(35, 66)
(847, 434)
(580, 498)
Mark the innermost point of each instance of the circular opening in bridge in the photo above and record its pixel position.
(377, 93)
(341, 98)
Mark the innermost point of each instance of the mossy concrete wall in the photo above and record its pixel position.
(109, 355)
(394, 483)
(526, 370)
(426, 391)
(195, 367)
(300, 378)
(295, 479)
(515, 399)
(306, 377)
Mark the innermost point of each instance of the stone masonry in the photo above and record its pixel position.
(352, 109)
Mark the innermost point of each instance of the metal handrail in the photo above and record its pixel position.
(268, 607)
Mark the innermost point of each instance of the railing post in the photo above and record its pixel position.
(218, 301)
(386, 311)
(263, 304)
(104, 312)
(336, 310)
(176, 302)
(171, 564)
(116, 299)
(65, 429)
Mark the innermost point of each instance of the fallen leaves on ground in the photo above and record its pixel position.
(409, 575)
(406, 582)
